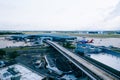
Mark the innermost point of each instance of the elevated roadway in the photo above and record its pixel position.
(91, 70)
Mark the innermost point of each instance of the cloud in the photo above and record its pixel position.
(59, 14)
(113, 19)
(116, 11)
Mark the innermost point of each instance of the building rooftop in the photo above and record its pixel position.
(25, 73)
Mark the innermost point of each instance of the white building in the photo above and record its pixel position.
(23, 73)
(11, 73)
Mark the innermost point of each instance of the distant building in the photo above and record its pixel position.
(86, 48)
(90, 32)
(16, 37)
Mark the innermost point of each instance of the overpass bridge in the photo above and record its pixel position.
(92, 71)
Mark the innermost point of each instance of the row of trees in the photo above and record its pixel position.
(2, 53)
(68, 45)
(11, 55)
(8, 33)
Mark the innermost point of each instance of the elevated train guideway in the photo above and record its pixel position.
(94, 72)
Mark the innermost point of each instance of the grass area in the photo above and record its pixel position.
(75, 34)
(115, 49)
(4, 35)
(70, 47)
(21, 48)
(35, 32)
(97, 35)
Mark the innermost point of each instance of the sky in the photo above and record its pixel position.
(59, 15)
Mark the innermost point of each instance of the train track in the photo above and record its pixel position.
(114, 73)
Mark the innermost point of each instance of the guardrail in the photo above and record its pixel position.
(104, 67)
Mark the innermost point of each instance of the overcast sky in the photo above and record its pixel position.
(59, 14)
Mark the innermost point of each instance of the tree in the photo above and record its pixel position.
(68, 44)
(13, 55)
(2, 53)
